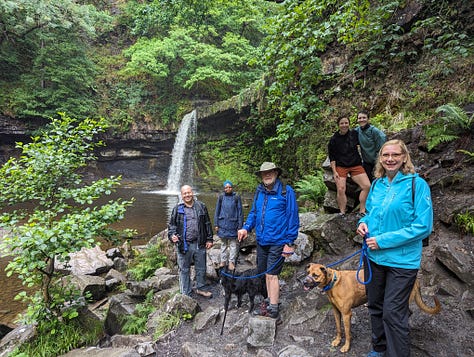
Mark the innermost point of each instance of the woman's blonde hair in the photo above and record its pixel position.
(407, 165)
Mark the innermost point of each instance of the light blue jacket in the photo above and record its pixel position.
(398, 222)
(274, 215)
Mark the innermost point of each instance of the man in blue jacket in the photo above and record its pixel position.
(228, 219)
(274, 215)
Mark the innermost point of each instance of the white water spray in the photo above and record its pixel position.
(181, 168)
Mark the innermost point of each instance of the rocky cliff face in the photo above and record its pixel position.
(144, 152)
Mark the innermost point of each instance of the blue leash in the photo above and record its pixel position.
(253, 276)
(363, 253)
(361, 262)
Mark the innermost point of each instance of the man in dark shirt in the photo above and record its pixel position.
(190, 229)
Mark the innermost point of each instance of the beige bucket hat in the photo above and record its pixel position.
(267, 166)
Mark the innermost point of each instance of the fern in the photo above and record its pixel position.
(455, 116)
(311, 189)
(465, 222)
(449, 126)
(437, 135)
(469, 154)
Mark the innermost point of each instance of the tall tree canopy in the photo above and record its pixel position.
(191, 50)
(44, 62)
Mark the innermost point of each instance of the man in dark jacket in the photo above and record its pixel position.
(189, 228)
(228, 219)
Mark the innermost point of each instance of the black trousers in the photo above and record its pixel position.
(388, 296)
(369, 170)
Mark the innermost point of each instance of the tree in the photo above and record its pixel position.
(48, 211)
(189, 50)
(45, 57)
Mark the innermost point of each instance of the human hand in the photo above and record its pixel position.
(209, 245)
(362, 229)
(287, 251)
(372, 243)
(174, 238)
(242, 234)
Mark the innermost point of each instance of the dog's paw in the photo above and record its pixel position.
(345, 348)
(336, 342)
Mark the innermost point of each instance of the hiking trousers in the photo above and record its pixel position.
(198, 255)
(228, 250)
(388, 296)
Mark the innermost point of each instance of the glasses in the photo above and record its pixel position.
(227, 187)
(395, 156)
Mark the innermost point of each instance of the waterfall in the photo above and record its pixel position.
(181, 168)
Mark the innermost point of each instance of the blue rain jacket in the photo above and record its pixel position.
(398, 222)
(274, 215)
(228, 215)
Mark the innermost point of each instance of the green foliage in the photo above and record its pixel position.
(145, 264)
(288, 272)
(135, 323)
(469, 154)
(224, 162)
(312, 189)
(449, 126)
(465, 222)
(186, 50)
(49, 212)
(44, 58)
(56, 338)
(168, 322)
(165, 322)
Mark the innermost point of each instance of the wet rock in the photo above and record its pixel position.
(261, 331)
(120, 305)
(206, 318)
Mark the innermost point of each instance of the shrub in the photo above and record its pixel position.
(145, 264)
(449, 126)
(312, 189)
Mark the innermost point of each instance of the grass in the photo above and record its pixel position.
(69, 335)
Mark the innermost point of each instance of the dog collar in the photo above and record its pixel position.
(331, 284)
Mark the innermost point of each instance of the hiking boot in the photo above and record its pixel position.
(204, 293)
(261, 310)
(274, 314)
(376, 354)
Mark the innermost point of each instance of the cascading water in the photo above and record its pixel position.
(181, 168)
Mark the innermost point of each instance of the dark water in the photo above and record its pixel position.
(148, 216)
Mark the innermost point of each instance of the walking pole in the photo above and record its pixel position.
(233, 275)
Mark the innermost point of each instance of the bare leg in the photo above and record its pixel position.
(273, 288)
(341, 197)
(364, 183)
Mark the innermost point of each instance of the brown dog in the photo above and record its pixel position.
(345, 292)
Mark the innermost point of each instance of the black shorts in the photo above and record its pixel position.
(269, 259)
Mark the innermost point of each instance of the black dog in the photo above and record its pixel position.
(241, 284)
